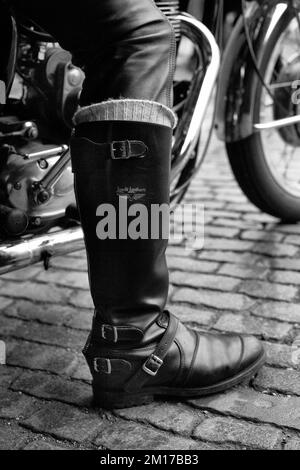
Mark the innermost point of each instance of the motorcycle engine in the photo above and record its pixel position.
(47, 83)
(34, 124)
(26, 205)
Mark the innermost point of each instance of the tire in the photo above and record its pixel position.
(248, 160)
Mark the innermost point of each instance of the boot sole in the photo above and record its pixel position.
(110, 400)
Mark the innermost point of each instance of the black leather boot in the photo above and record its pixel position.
(137, 350)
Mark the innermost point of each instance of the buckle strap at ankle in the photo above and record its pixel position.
(117, 334)
(154, 362)
(116, 150)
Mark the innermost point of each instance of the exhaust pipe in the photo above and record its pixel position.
(19, 254)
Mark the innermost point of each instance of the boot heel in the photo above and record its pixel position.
(112, 400)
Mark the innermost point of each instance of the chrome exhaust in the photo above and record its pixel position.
(19, 254)
(187, 134)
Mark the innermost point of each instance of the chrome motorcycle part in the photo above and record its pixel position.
(13, 221)
(187, 134)
(21, 189)
(27, 130)
(21, 253)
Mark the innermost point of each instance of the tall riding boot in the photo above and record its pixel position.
(137, 350)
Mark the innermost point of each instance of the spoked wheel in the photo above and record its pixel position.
(267, 164)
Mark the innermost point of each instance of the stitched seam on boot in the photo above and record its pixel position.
(191, 368)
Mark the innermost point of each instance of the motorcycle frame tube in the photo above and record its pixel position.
(200, 93)
(238, 79)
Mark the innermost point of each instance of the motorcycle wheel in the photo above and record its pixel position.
(267, 163)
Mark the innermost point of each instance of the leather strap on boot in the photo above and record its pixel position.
(117, 334)
(116, 150)
(154, 362)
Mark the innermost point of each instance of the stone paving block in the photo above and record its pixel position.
(288, 228)
(78, 254)
(243, 272)
(39, 356)
(82, 372)
(193, 315)
(43, 313)
(73, 279)
(42, 444)
(284, 263)
(246, 403)
(80, 319)
(215, 231)
(81, 299)
(191, 265)
(4, 303)
(259, 216)
(209, 281)
(279, 355)
(129, 435)
(293, 240)
(13, 437)
(284, 381)
(8, 375)
(223, 300)
(285, 277)
(245, 259)
(283, 311)
(16, 405)
(20, 275)
(228, 430)
(293, 444)
(261, 235)
(64, 422)
(52, 387)
(47, 334)
(175, 417)
(37, 292)
(246, 324)
(66, 262)
(274, 249)
(227, 245)
(267, 290)
(233, 219)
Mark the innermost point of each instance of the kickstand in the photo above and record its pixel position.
(46, 257)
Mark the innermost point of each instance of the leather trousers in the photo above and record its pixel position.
(126, 47)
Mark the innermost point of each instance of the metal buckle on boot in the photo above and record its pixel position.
(152, 365)
(102, 365)
(113, 329)
(120, 150)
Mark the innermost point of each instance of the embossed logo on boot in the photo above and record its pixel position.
(131, 193)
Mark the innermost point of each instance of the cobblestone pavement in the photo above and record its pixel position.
(245, 280)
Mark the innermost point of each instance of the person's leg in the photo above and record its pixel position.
(121, 151)
(127, 47)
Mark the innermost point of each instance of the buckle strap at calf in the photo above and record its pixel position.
(116, 334)
(154, 362)
(94, 153)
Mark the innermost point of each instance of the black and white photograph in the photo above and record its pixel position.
(149, 229)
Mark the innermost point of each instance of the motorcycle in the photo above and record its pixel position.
(250, 73)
